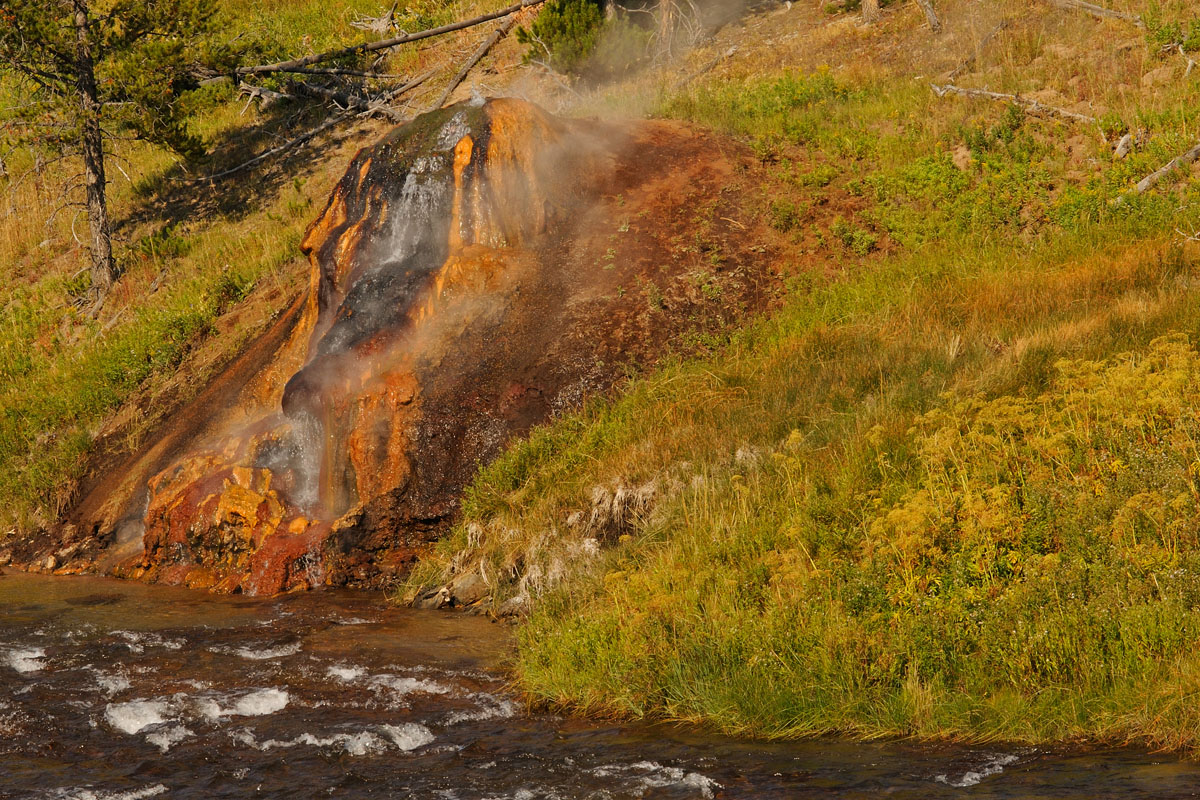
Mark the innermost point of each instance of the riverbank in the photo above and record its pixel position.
(948, 491)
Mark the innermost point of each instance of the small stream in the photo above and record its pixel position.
(120, 691)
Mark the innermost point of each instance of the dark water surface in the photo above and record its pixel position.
(117, 691)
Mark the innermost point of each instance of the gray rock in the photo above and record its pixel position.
(468, 588)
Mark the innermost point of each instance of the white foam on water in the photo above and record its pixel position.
(256, 703)
(402, 686)
(88, 793)
(491, 707)
(138, 641)
(993, 766)
(167, 738)
(408, 735)
(345, 674)
(260, 702)
(25, 659)
(652, 775)
(263, 653)
(110, 683)
(405, 737)
(137, 715)
(356, 621)
(356, 744)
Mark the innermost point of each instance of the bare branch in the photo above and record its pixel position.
(384, 44)
(376, 105)
(274, 151)
(488, 43)
(380, 24)
(1033, 106)
(1098, 11)
(1151, 180)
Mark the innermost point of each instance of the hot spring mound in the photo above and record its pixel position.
(475, 272)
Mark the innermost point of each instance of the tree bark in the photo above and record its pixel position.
(870, 11)
(104, 271)
(931, 16)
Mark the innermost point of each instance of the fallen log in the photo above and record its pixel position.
(384, 44)
(1099, 11)
(1151, 180)
(1033, 106)
(376, 105)
(488, 43)
(274, 151)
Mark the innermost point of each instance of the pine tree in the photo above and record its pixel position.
(89, 69)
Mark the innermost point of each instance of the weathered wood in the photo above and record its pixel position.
(267, 96)
(931, 16)
(376, 105)
(1099, 11)
(1033, 106)
(288, 145)
(380, 24)
(384, 44)
(1150, 181)
(475, 58)
(870, 11)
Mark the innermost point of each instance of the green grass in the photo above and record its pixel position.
(950, 492)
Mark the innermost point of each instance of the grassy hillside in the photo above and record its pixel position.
(949, 488)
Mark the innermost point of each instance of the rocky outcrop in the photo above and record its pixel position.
(473, 273)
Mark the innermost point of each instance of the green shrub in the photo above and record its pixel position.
(564, 35)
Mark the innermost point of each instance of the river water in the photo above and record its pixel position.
(120, 691)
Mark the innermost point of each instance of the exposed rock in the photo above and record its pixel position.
(514, 606)
(468, 588)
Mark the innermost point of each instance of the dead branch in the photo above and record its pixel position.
(267, 96)
(1151, 180)
(931, 16)
(488, 43)
(1099, 11)
(274, 151)
(378, 105)
(1033, 106)
(353, 73)
(969, 62)
(384, 44)
(380, 24)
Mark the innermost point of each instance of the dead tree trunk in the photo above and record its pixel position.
(487, 45)
(104, 271)
(931, 16)
(870, 11)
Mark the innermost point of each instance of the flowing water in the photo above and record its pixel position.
(118, 691)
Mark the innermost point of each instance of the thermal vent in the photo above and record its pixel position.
(475, 272)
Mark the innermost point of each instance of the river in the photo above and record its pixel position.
(122, 691)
